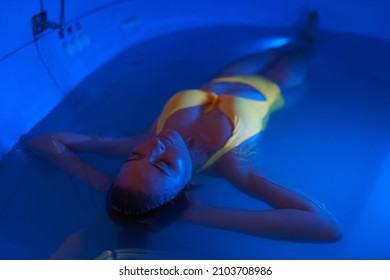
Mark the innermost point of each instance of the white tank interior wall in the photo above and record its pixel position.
(37, 74)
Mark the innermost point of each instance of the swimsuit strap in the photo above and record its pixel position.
(181, 100)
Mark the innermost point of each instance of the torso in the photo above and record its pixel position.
(209, 130)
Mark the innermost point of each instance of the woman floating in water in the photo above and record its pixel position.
(205, 130)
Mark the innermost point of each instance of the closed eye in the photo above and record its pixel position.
(162, 165)
(133, 156)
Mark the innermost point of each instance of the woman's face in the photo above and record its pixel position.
(159, 166)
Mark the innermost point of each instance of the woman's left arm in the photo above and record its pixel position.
(294, 216)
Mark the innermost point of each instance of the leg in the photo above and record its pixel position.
(286, 65)
(288, 71)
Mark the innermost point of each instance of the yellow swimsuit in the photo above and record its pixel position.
(247, 116)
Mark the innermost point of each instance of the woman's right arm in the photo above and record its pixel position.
(61, 149)
(294, 216)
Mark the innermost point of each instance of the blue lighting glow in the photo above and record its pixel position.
(109, 67)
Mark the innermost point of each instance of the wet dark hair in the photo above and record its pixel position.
(127, 209)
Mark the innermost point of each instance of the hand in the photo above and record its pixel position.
(46, 146)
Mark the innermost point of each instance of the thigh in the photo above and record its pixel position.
(229, 88)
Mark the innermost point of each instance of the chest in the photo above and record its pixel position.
(210, 129)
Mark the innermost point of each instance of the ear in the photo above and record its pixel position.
(189, 189)
(190, 185)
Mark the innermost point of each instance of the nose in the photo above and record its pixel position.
(152, 149)
(158, 148)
